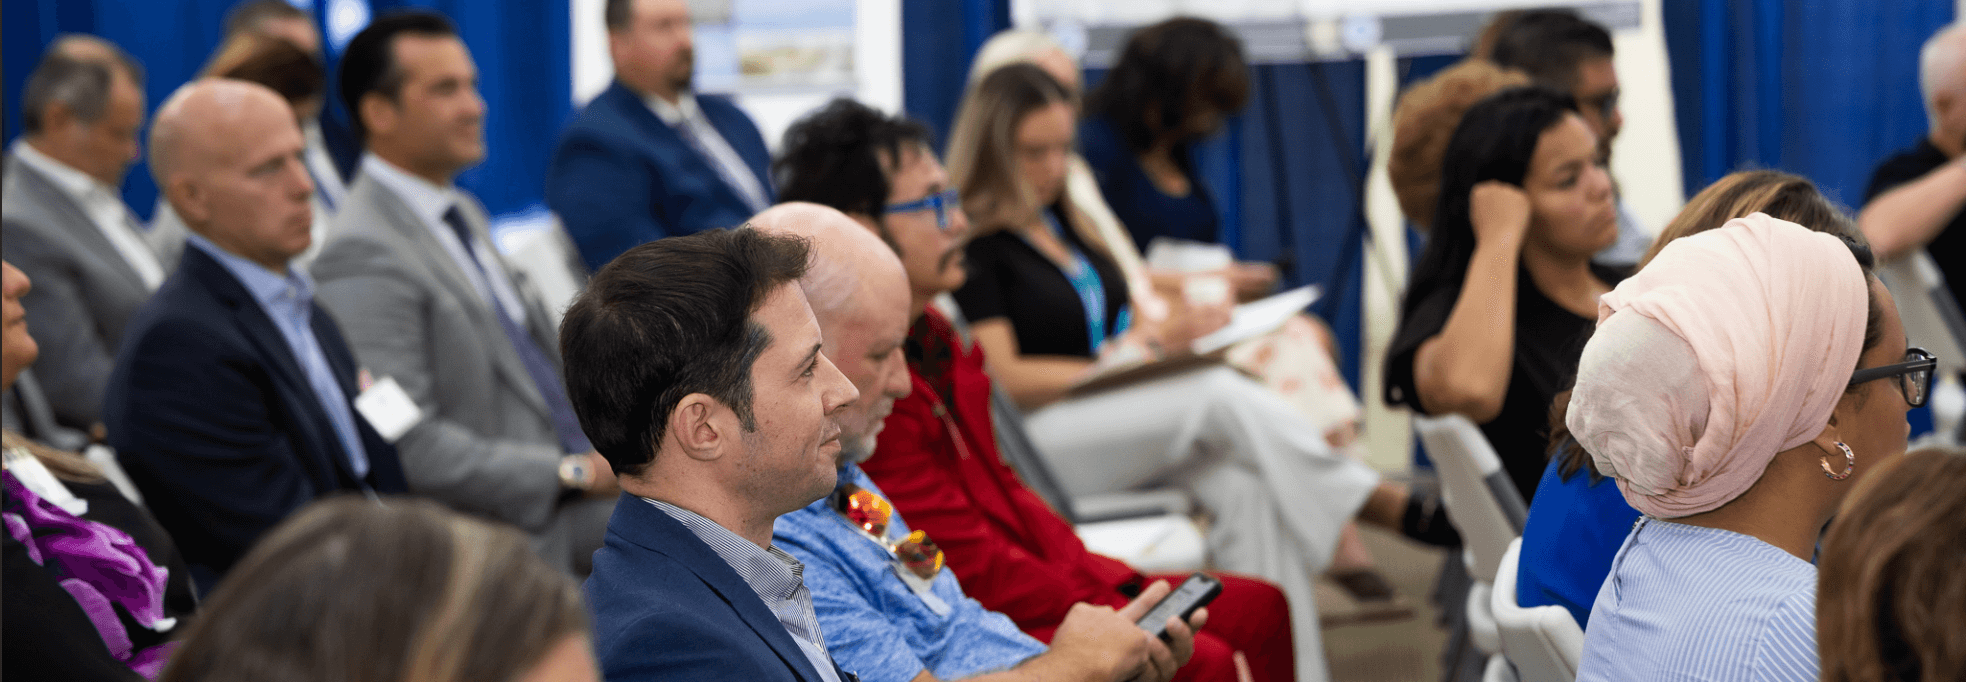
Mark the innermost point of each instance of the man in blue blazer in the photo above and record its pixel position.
(694, 363)
(231, 403)
(649, 158)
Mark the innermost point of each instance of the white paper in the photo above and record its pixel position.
(389, 409)
(1257, 318)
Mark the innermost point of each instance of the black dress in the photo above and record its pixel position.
(1549, 340)
(1008, 278)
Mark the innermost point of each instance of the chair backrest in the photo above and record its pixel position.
(1481, 499)
(1932, 318)
(1022, 454)
(1544, 642)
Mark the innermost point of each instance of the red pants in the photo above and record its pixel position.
(1249, 616)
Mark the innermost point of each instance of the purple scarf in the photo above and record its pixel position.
(100, 566)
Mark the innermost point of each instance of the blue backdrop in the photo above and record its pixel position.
(522, 48)
(1822, 88)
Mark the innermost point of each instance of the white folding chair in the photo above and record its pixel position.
(1544, 642)
(1483, 505)
(1481, 499)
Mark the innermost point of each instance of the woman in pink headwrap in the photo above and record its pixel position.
(1730, 389)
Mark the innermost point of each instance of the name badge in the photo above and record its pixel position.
(389, 409)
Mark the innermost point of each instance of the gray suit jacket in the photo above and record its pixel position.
(486, 444)
(84, 292)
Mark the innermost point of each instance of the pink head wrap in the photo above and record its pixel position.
(1731, 346)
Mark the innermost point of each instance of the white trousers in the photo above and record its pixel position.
(1278, 493)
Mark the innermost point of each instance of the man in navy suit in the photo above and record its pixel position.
(231, 403)
(649, 158)
(694, 363)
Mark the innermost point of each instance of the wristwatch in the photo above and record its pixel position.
(576, 473)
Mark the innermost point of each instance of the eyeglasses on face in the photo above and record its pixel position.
(942, 203)
(1914, 375)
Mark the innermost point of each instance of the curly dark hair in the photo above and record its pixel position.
(844, 156)
(1175, 70)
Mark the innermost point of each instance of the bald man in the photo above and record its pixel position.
(892, 619)
(232, 402)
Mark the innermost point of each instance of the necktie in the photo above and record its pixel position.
(697, 131)
(565, 423)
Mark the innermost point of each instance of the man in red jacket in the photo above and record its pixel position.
(937, 456)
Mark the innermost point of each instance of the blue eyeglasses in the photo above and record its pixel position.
(943, 203)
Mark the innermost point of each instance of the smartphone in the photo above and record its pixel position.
(1195, 592)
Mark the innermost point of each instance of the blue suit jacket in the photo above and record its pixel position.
(217, 425)
(621, 177)
(667, 607)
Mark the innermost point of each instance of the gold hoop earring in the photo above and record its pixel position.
(1849, 463)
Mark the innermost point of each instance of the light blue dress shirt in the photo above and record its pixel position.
(289, 301)
(778, 579)
(1686, 603)
(876, 625)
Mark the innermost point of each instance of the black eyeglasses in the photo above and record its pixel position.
(1914, 375)
(942, 203)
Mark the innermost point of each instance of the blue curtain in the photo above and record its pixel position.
(1822, 88)
(938, 39)
(521, 47)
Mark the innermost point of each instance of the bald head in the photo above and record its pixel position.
(850, 264)
(859, 292)
(1942, 73)
(227, 155)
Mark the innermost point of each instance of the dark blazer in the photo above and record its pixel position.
(621, 177)
(215, 422)
(667, 607)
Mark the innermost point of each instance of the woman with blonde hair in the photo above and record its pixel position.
(1890, 605)
(355, 590)
(1046, 305)
(95, 589)
(1578, 518)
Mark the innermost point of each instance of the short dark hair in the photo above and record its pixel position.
(1171, 68)
(845, 155)
(247, 16)
(667, 319)
(368, 65)
(618, 14)
(1548, 44)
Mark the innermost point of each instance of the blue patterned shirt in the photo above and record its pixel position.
(878, 626)
(1692, 603)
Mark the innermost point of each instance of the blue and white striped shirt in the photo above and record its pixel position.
(1692, 603)
(776, 576)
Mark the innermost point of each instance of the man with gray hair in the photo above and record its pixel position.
(1915, 198)
(64, 224)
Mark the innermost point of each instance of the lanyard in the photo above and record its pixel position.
(1091, 289)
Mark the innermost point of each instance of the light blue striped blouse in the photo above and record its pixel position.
(1691, 603)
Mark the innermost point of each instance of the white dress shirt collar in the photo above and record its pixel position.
(674, 114)
(75, 183)
(426, 198)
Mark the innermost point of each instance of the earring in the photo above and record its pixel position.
(1849, 463)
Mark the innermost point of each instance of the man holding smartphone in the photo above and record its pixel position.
(890, 608)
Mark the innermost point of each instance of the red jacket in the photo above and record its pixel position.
(941, 469)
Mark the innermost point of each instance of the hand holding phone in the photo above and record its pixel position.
(1195, 592)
